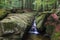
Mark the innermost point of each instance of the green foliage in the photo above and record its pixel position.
(56, 36)
(1, 3)
(44, 3)
(10, 3)
(37, 4)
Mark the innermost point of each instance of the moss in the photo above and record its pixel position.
(56, 36)
(2, 13)
(20, 21)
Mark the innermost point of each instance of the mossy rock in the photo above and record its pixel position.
(7, 26)
(2, 13)
(16, 23)
(39, 19)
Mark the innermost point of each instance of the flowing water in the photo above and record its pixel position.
(33, 34)
(33, 29)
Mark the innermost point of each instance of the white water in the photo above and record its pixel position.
(33, 29)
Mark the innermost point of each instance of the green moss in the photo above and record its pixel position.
(56, 36)
(2, 13)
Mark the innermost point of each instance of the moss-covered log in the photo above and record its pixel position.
(15, 24)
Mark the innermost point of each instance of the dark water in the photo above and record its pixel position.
(35, 37)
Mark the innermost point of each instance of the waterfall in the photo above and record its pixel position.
(33, 29)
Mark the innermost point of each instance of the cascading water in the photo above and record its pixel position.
(33, 29)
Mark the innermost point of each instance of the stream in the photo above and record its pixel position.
(33, 34)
